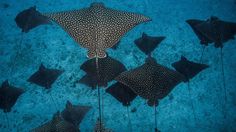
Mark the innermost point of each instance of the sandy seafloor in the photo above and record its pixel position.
(54, 48)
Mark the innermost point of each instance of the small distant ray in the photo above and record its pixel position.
(97, 27)
(45, 77)
(151, 81)
(148, 43)
(57, 124)
(74, 113)
(213, 30)
(8, 96)
(109, 68)
(30, 18)
(188, 68)
(122, 93)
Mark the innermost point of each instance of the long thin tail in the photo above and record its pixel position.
(129, 121)
(203, 49)
(224, 88)
(155, 112)
(54, 103)
(18, 49)
(99, 97)
(191, 103)
(7, 121)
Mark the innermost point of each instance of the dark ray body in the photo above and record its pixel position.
(74, 113)
(30, 18)
(188, 68)
(109, 68)
(8, 96)
(148, 43)
(122, 93)
(45, 77)
(213, 30)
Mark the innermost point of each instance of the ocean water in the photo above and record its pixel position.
(22, 53)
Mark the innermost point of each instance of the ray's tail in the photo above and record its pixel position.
(223, 81)
(7, 121)
(203, 49)
(129, 121)
(155, 117)
(191, 103)
(54, 102)
(99, 97)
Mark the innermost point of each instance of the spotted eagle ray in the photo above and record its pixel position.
(97, 27)
(151, 81)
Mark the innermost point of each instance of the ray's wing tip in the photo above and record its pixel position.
(192, 21)
(147, 19)
(189, 21)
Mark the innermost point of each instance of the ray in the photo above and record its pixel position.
(97, 27)
(151, 81)
(57, 124)
(148, 43)
(108, 69)
(189, 69)
(122, 93)
(8, 96)
(99, 72)
(30, 18)
(218, 32)
(74, 113)
(203, 39)
(45, 77)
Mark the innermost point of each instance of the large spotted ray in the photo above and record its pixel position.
(151, 81)
(96, 27)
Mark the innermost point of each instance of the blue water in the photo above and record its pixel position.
(21, 54)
